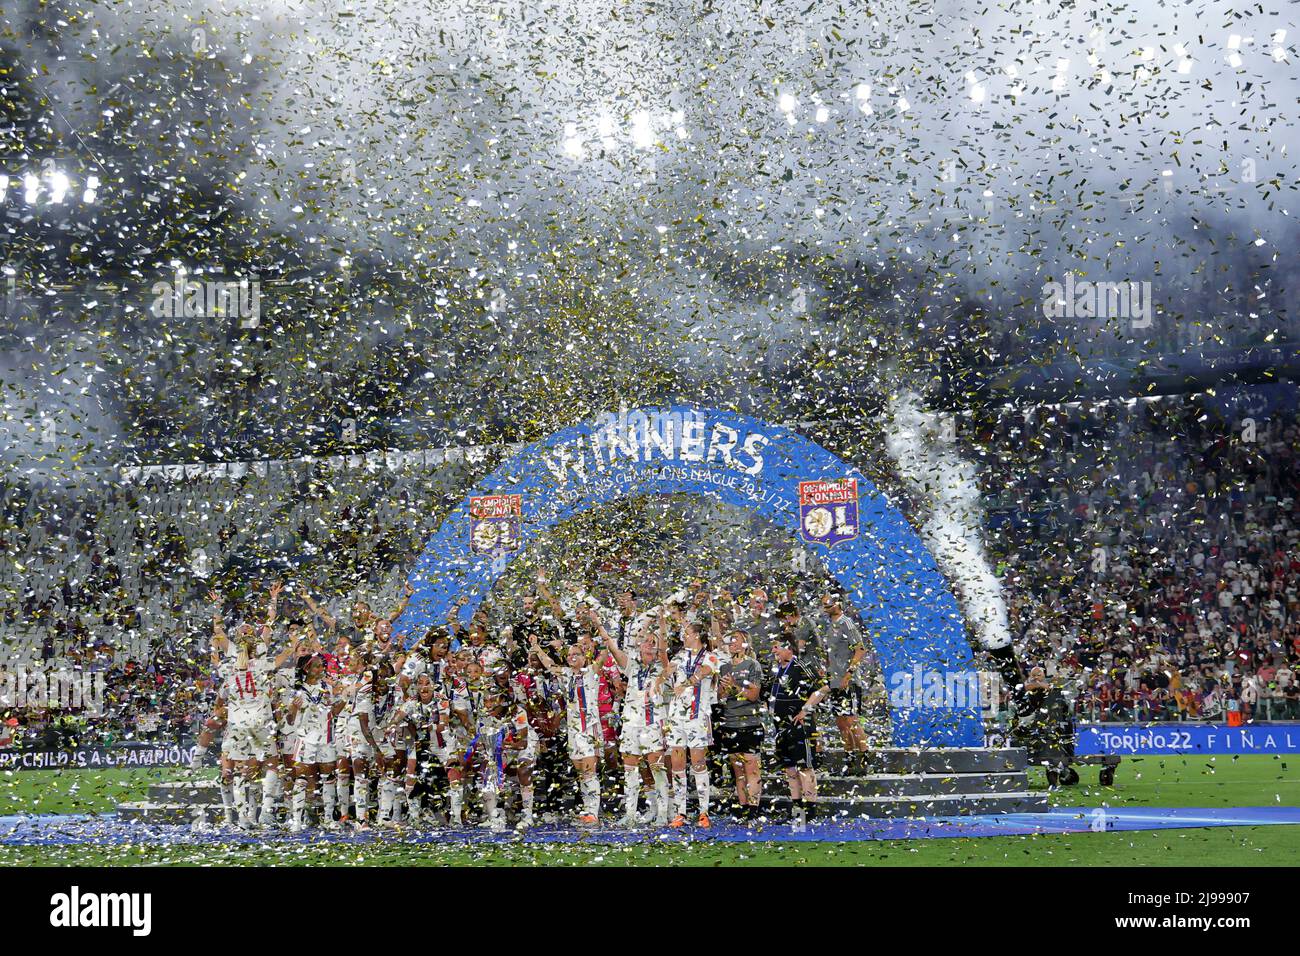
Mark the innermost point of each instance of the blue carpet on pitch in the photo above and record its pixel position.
(107, 830)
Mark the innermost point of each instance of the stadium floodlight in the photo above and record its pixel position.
(91, 191)
(788, 104)
(58, 186)
(678, 121)
(572, 141)
(31, 188)
(643, 134)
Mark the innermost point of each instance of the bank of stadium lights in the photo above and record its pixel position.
(58, 187)
(643, 134)
(642, 130)
(51, 189)
(789, 106)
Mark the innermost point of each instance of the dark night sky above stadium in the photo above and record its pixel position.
(490, 218)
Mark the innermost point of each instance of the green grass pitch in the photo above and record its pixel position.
(1141, 782)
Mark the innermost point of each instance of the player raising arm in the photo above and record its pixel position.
(641, 736)
(247, 675)
(369, 690)
(580, 681)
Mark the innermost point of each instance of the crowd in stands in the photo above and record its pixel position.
(1149, 552)
(1151, 556)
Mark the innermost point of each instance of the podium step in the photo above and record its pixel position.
(185, 791)
(919, 784)
(147, 811)
(884, 783)
(899, 761)
(948, 805)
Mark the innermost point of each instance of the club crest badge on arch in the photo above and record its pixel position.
(828, 511)
(495, 522)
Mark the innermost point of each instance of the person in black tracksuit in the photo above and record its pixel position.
(1044, 726)
(795, 691)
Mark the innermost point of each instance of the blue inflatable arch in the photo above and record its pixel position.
(904, 602)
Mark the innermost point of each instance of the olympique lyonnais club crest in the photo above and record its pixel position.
(494, 523)
(828, 511)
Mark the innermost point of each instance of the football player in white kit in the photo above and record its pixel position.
(249, 743)
(580, 682)
(693, 671)
(430, 657)
(525, 743)
(642, 733)
(506, 743)
(248, 686)
(286, 685)
(317, 752)
(419, 723)
(373, 708)
(457, 723)
(213, 724)
(384, 646)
